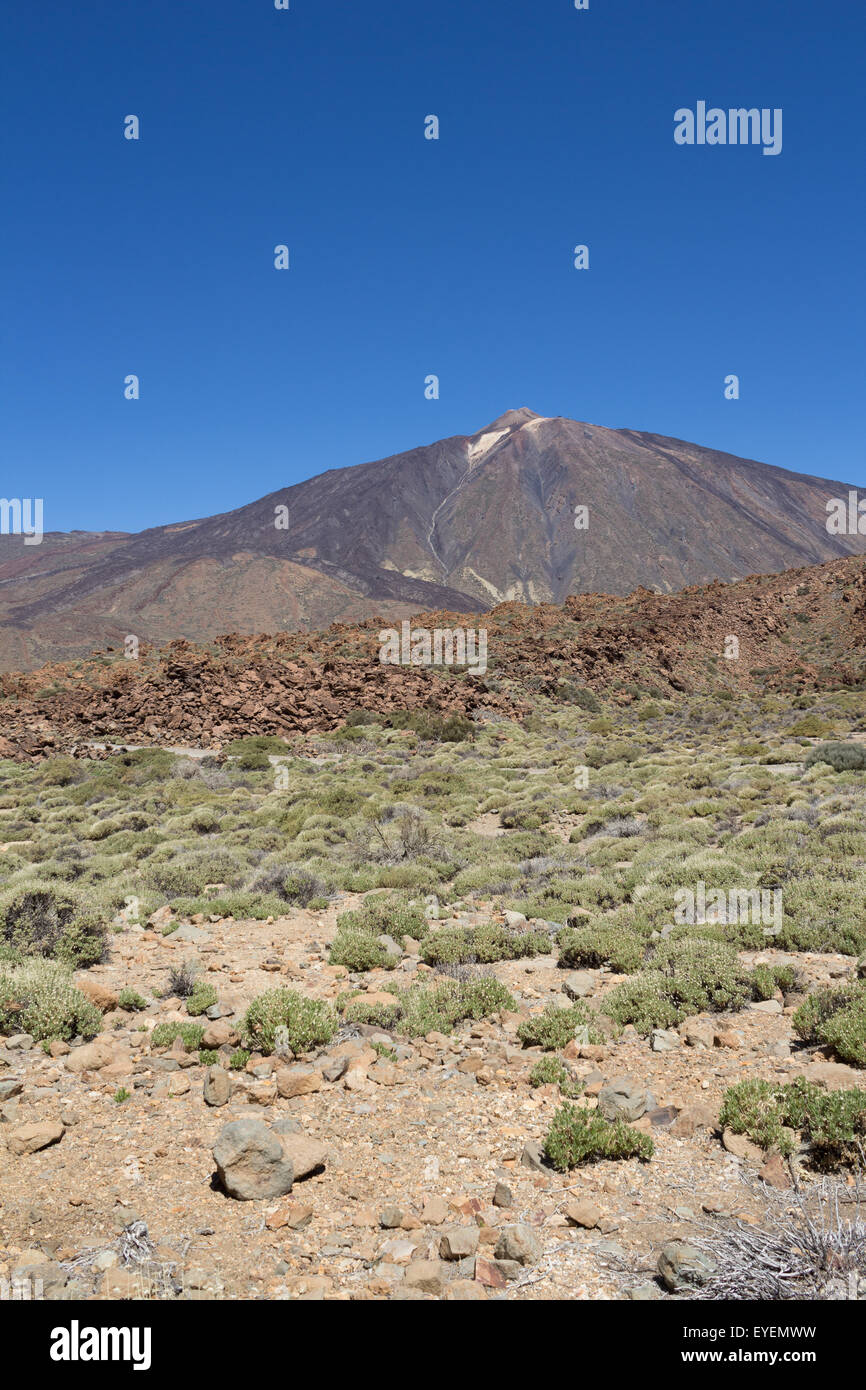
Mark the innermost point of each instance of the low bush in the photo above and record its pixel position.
(842, 757)
(482, 945)
(309, 1023)
(39, 998)
(621, 949)
(689, 975)
(202, 998)
(53, 922)
(423, 1009)
(550, 1071)
(164, 1034)
(557, 1027)
(580, 1136)
(832, 1123)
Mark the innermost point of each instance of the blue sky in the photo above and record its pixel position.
(408, 256)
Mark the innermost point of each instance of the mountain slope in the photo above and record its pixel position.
(461, 524)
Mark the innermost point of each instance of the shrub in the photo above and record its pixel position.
(182, 979)
(38, 997)
(550, 1071)
(423, 1009)
(132, 1002)
(239, 1059)
(164, 1035)
(482, 945)
(557, 1027)
(583, 1136)
(54, 922)
(203, 997)
(357, 945)
(308, 1022)
(833, 1123)
(845, 1031)
(842, 757)
(687, 975)
(294, 886)
(208, 1057)
(618, 947)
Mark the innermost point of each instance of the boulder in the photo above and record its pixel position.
(251, 1161)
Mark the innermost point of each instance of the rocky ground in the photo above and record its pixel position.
(418, 1171)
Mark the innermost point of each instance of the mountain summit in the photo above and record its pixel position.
(529, 508)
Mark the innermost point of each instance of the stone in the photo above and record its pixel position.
(624, 1099)
(514, 919)
(306, 1155)
(664, 1040)
(19, 1042)
(335, 1069)
(104, 998)
(519, 1243)
(435, 1211)
(93, 1056)
(697, 1115)
(464, 1291)
(741, 1147)
(29, 1139)
(727, 1037)
(533, 1157)
(427, 1275)
(503, 1196)
(578, 985)
(579, 1211)
(217, 1087)
(10, 1088)
(459, 1242)
(391, 1218)
(251, 1161)
(643, 1293)
(775, 1173)
(298, 1081)
(767, 1006)
(683, 1266)
(497, 1274)
(220, 1033)
(698, 1034)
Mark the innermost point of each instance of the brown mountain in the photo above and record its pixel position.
(462, 524)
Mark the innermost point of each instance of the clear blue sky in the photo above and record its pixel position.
(410, 256)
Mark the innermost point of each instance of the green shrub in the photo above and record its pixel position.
(580, 1136)
(618, 947)
(208, 1057)
(239, 1059)
(842, 757)
(845, 1031)
(482, 945)
(132, 1002)
(557, 1027)
(203, 997)
(309, 1023)
(54, 922)
(164, 1035)
(423, 1009)
(832, 1123)
(684, 976)
(38, 997)
(550, 1071)
(356, 945)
